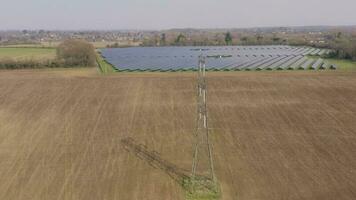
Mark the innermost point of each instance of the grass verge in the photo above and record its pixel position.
(343, 64)
(104, 66)
(200, 189)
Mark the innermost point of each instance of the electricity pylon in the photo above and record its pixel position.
(203, 166)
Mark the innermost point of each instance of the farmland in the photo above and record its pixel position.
(54, 44)
(27, 53)
(277, 135)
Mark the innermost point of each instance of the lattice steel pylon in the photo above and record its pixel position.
(203, 166)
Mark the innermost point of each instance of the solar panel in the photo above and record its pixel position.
(287, 64)
(280, 62)
(317, 64)
(298, 63)
(261, 63)
(307, 64)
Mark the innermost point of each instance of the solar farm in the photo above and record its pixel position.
(223, 58)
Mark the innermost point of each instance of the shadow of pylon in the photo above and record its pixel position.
(154, 160)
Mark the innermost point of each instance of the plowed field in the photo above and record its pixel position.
(276, 135)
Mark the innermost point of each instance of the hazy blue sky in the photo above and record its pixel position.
(165, 14)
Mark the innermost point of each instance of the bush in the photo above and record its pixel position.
(76, 53)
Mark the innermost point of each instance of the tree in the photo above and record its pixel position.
(276, 39)
(228, 38)
(180, 39)
(244, 39)
(338, 35)
(157, 40)
(115, 45)
(163, 39)
(76, 53)
(259, 38)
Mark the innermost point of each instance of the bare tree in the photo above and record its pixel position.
(76, 53)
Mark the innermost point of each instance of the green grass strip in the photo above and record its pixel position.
(105, 67)
(200, 189)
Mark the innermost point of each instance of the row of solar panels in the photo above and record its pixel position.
(258, 63)
(175, 52)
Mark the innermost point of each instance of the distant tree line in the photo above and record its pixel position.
(228, 38)
(344, 46)
(70, 53)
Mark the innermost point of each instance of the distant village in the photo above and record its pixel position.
(317, 36)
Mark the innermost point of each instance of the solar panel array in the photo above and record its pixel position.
(223, 58)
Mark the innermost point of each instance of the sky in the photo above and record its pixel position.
(167, 14)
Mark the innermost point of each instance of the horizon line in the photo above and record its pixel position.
(186, 28)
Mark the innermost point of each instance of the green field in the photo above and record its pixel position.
(54, 44)
(343, 64)
(27, 53)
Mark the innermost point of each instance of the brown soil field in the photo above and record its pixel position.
(276, 135)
